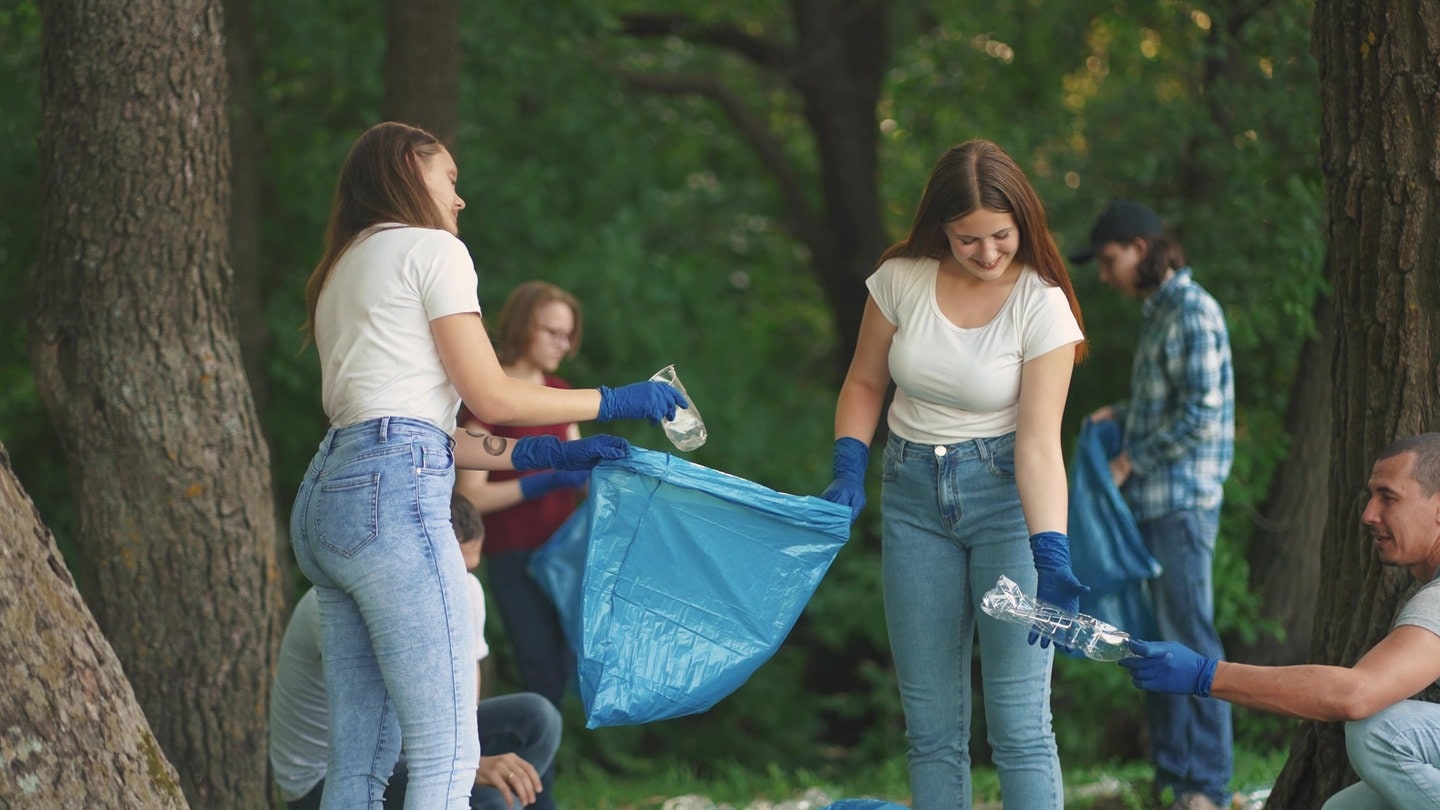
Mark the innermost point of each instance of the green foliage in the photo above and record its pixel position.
(656, 213)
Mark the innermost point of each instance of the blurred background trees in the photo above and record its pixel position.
(714, 183)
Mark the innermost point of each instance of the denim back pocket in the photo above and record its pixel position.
(348, 513)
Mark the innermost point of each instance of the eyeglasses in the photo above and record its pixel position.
(556, 335)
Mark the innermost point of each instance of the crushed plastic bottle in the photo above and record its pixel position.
(1078, 632)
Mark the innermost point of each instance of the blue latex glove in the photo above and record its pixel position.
(549, 453)
(534, 486)
(1057, 584)
(1169, 667)
(848, 486)
(643, 400)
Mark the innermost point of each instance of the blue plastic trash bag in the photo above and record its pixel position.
(558, 567)
(1106, 550)
(694, 578)
(863, 804)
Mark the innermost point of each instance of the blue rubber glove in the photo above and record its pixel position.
(1057, 584)
(549, 453)
(848, 486)
(534, 486)
(643, 400)
(1169, 667)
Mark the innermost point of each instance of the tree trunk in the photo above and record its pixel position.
(135, 356)
(73, 734)
(245, 170)
(422, 65)
(1284, 552)
(1380, 84)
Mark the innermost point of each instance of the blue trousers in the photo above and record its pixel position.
(1191, 743)
(952, 526)
(1397, 754)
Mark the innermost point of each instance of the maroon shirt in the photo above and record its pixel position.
(527, 524)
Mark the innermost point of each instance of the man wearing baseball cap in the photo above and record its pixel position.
(1178, 442)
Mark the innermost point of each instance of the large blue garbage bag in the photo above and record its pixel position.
(1107, 552)
(863, 804)
(558, 567)
(694, 578)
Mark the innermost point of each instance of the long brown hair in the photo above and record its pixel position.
(516, 324)
(979, 174)
(380, 181)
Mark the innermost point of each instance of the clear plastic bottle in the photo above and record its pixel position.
(1078, 632)
(687, 430)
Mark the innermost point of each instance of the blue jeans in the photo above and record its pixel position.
(371, 528)
(542, 656)
(1397, 754)
(523, 724)
(1190, 737)
(952, 525)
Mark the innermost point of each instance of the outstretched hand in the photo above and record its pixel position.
(548, 452)
(1169, 667)
(649, 400)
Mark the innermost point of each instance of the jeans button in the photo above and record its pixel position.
(940, 450)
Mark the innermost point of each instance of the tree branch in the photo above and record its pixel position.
(764, 52)
(799, 214)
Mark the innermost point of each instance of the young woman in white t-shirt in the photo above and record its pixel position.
(974, 318)
(395, 316)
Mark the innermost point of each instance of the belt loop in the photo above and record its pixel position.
(982, 449)
(384, 429)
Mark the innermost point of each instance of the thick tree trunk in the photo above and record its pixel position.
(1380, 83)
(1284, 553)
(135, 356)
(73, 735)
(422, 65)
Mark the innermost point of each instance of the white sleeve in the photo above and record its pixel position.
(445, 277)
(477, 608)
(1049, 322)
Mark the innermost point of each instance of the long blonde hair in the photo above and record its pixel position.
(381, 181)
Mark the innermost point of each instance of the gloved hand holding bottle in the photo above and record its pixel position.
(1057, 584)
(648, 400)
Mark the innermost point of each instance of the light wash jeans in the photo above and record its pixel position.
(1397, 754)
(371, 528)
(1191, 743)
(952, 526)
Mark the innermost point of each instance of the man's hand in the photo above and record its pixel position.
(515, 778)
(1120, 469)
(1102, 413)
(1169, 667)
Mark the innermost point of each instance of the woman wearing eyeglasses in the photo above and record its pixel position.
(538, 328)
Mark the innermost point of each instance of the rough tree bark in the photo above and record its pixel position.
(1380, 101)
(836, 66)
(73, 735)
(134, 351)
(422, 65)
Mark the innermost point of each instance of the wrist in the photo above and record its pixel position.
(1205, 678)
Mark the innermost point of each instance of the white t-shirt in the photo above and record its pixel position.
(299, 744)
(955, 383)
(372, 325)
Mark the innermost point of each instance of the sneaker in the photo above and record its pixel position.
(1194, 801)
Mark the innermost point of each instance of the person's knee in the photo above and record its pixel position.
(1372, 739)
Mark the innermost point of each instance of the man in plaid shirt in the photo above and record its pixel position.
(1179, 437)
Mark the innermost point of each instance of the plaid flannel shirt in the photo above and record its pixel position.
(1180, 420)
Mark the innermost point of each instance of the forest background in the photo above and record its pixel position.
(714, 184)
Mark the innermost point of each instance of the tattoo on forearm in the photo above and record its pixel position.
(476, 432)
(494, 445)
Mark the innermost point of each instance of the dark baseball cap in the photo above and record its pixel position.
(1122, 221)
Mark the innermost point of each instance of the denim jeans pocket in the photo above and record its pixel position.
(1001, 456)
(348, 512)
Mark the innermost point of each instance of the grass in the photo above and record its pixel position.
(1112, 787)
